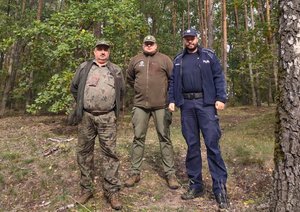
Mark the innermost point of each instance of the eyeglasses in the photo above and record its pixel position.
(148, 43)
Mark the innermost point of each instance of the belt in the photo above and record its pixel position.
(97, 113)
(192, 95)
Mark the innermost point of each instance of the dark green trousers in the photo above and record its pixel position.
(103, 126)
(162, 119)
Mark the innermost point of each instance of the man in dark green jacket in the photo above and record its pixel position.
(98, 87)
(148, 74)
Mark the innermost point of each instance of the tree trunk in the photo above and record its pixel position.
(201, 24)
(249, 54)
(286, 187)
(210, 24)
(10, 63)
(205, 22)
(188, 14)
(275, 67)
(269, 40)
(236, 16)
(30, 79)
(261, 10)
(40, 10)
(271, 68)
(10, 79)
(257, 84)
(97, 29)
(224, 28)
(257, 79)
(23, 7)
(174, 25)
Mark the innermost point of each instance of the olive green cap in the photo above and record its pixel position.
(103, 42)
(149, 38)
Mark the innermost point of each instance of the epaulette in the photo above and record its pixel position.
(179, 54)
(210, 52)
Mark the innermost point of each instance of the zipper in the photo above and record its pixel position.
(147, 80)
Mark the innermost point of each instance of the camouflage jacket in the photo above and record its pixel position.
(79, 81)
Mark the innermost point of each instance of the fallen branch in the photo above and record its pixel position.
(44, 203)
(77, 203)
(63, 208)
(59, 140)
(50, 151)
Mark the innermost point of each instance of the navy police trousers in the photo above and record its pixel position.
(196, 118)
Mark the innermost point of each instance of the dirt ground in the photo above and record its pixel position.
(38, 171)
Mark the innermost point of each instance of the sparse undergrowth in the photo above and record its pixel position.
(38, 170)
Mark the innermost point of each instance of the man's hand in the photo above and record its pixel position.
(219, 105)
(171, 107)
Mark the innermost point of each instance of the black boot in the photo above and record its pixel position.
(192, 193)
(222, 200)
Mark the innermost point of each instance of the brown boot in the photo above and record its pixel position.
(84, 197)
(133, 179)
(172, 181)
(115, 201)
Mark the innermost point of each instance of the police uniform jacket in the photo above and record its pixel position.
(213, 80)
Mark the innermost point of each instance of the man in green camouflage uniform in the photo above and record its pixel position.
(98, 87)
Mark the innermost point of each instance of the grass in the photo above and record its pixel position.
(2, 181)
(250, 141)
(29, 179)
(10, 156)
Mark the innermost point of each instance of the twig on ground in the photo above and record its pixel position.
(50, 151)
(44, 203)
(59, 140)
(79, 204)
(63, 208)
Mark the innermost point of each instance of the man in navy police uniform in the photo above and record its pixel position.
(197, 86)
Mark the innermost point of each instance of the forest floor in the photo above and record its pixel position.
(38, 169)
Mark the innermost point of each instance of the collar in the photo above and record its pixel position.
(100, 65)
(186, 52)
(149, 54)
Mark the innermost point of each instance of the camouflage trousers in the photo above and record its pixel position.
(105, 127)
(162, 119)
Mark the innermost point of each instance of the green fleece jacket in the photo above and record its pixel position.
(149, 76)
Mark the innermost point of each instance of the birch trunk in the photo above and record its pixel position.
(286, 187)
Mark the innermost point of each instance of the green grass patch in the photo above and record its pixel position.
(19, 173)
(251, 141)
(247, 146)
(2, 181)
(10, 155)
(28, 161)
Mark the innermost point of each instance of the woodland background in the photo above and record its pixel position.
(42, 42)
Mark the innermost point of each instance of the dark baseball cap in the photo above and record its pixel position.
(103, 42)
(189, 32)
